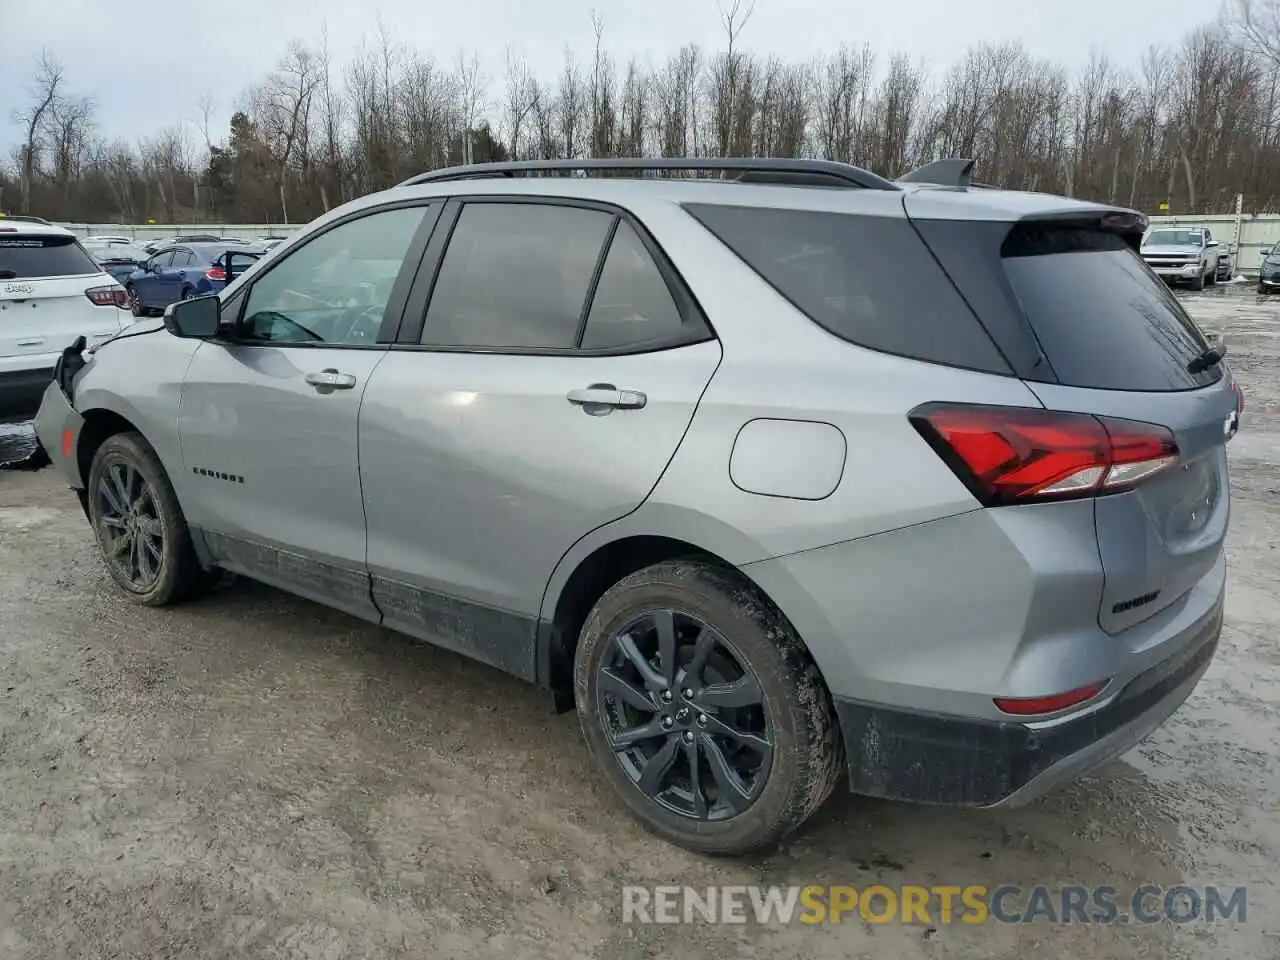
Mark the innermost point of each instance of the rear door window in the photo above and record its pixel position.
(1103, 319)
(32, 257)
(516, 276)
(868, 280)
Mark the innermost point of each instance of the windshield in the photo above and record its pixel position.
(1173, 238)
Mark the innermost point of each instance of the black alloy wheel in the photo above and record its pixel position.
(685, 716)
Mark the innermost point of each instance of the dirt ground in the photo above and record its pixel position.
(254, 776)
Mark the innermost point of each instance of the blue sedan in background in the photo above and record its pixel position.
(185, 271)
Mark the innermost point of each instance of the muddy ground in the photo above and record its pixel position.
(256, 776)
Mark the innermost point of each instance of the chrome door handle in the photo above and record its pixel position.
(607, 395)
(331, 379)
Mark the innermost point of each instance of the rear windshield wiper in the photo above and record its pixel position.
(8, 275)
(1210, 358)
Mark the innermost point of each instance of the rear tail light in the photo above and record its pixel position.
(1235, 388)
(1032, 706)
(216, 273)
(1011, 455)
(112, 296)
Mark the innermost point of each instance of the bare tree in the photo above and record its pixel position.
(472, 85)
(46, 88)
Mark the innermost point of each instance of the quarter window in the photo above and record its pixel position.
(335, 288)
(632, 306)
(516, 275)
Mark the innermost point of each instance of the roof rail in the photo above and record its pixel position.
(26, 219)
(780, 170)
(948, 172)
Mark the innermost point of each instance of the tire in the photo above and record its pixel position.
(1261, 290)
(136, 306)
(1211, 279)
(1198, 283)
(130, 497)
(756, 651)
(187, 293)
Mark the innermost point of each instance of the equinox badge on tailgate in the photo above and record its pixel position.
(23, 289)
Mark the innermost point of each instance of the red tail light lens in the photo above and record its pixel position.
(1031, 706)
(1011, 455)
(216, 273)
(1235, 388)
(113, 296)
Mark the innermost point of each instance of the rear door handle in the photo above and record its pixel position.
(331, 379)
(607, 395)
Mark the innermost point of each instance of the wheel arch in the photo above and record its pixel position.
(100, 423)
(605, 556)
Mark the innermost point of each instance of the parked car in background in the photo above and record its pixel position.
(1269, 272)
(155, 245)
(119, 260)
(1183, 255)
(925, 488)
(51, 292)
(184, 271)
(270, 243)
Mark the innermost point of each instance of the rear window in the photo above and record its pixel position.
(868, 280)
(31, 257)
(1103, 319)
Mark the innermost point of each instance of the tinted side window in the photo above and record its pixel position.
(515, 275)
(335, 288)
(162, 259)
(183, 258)
(632, 306)
(1103, 319)
(868, 280)
(31, 257)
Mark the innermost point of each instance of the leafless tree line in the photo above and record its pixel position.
(1190, 127)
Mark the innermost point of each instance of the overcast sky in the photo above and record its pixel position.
(147, 64)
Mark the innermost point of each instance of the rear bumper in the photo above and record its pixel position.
(20, 393)
(929, 758)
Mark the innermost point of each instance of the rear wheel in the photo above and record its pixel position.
(136, 306)
(140, 527)
(704, 710)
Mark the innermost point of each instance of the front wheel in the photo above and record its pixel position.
(704, 710)
(139, 526)
(1198, 283)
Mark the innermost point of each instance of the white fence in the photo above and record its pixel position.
(159, 231)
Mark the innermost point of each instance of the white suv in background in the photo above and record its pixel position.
(51, 291)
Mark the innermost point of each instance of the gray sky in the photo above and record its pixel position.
(148, 65)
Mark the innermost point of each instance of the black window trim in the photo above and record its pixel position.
(400, 289)
(692, 316)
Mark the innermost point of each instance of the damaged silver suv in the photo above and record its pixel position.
(781, 476)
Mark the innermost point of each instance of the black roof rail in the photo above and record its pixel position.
(24, 218)
(948, 172)
(790, 171)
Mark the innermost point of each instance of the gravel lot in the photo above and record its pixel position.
(256, 776)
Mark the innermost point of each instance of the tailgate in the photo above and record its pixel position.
(1158, 540)
(42, 316)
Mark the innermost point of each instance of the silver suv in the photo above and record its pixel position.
(784, 475)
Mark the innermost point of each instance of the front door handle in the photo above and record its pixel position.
(331, 379)
(607, 395)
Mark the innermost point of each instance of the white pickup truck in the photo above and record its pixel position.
(1186, 255)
